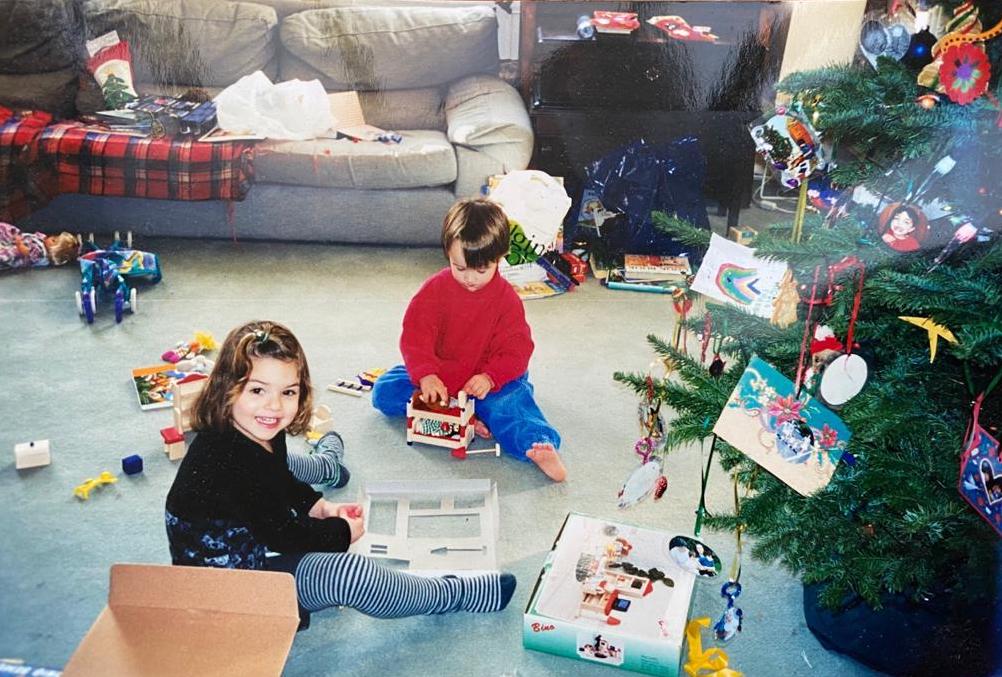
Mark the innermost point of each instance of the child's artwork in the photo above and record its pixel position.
(789, 144)
(731, 273)
(796, 439)
(981, 477)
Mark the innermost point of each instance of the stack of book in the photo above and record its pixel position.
(650, 273)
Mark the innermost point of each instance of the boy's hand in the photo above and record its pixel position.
(478, 386)
(433, 390)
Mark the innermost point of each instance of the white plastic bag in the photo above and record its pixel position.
(536, 202)
(289, 110)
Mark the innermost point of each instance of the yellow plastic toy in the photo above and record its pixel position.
(712, 659)
(82, 490)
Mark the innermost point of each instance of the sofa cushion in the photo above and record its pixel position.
(404, 108)
(39, 36)
(423, 158)
(368, 48)
(190, 42)
(286, 7)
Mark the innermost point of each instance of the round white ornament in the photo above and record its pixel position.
(842, 379)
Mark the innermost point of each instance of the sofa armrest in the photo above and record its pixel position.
(489, 127)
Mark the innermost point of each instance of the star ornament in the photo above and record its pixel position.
(964, 73)
(935, 331)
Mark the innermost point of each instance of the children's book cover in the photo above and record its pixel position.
(795, 438)
(153, 385)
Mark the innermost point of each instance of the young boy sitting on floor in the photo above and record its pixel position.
(465, 329)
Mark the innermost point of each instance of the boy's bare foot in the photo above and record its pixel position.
(546, 457)
(481, 429)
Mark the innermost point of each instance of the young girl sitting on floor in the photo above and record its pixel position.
(235, 499)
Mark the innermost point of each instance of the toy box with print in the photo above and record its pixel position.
(610, 593)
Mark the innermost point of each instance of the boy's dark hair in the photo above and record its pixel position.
(214, 408)
(481, 228)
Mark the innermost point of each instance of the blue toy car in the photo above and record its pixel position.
(112, 274)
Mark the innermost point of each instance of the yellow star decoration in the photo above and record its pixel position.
(935, 331)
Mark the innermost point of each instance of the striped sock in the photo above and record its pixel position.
(324, 466)
(327, 579)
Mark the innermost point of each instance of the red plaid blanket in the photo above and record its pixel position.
(25, 185)
(96, 162)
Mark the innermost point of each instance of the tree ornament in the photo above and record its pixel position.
(928, 100)
(717, 366)
(919, 51)
(842, 379)
(640, 483)
(981, 471)
(660, 487)
(879, 36)
(730, 621)
(964, 73)
(935, 331)
(784, 306)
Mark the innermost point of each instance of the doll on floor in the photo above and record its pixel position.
(26, 250)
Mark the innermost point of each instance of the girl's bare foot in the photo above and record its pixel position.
(481, 429)
(546, 457)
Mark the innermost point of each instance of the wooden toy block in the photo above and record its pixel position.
(743, 235)
(321, 421)
(184, 393)
(174, 445)
(132, 465)
(349, 387)
(32, 454)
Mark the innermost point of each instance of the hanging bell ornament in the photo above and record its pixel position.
(717, 366)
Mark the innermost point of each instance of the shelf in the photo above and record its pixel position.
(638, 36)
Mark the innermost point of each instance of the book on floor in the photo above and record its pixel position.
(655, 267)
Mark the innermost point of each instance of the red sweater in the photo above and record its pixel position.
(454, 333)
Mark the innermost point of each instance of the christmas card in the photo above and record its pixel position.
(795, 438)
(981, 476)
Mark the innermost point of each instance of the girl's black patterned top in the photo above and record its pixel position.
(232, 500)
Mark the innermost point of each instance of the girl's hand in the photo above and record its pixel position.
(433, 390)
(357, 526)
(348, 510)
(478, 386)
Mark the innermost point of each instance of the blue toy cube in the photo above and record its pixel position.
(132, 465)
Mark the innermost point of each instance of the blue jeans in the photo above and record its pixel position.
(511, 413)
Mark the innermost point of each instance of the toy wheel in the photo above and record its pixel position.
(128, 239)
(459, 452)
(80, 306)
(133, 295)
(119, 306)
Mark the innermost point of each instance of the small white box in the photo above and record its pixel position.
(32, 454)
(602, 597)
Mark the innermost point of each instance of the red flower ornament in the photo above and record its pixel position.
(964, 73)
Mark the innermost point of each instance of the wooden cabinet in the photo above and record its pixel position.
(590, 95)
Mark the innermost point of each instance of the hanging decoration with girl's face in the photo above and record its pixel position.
(903, 227)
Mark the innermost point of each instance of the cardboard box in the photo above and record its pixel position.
(599, 598)
(174, 620)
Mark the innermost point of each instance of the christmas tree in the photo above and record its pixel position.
(891, 520)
